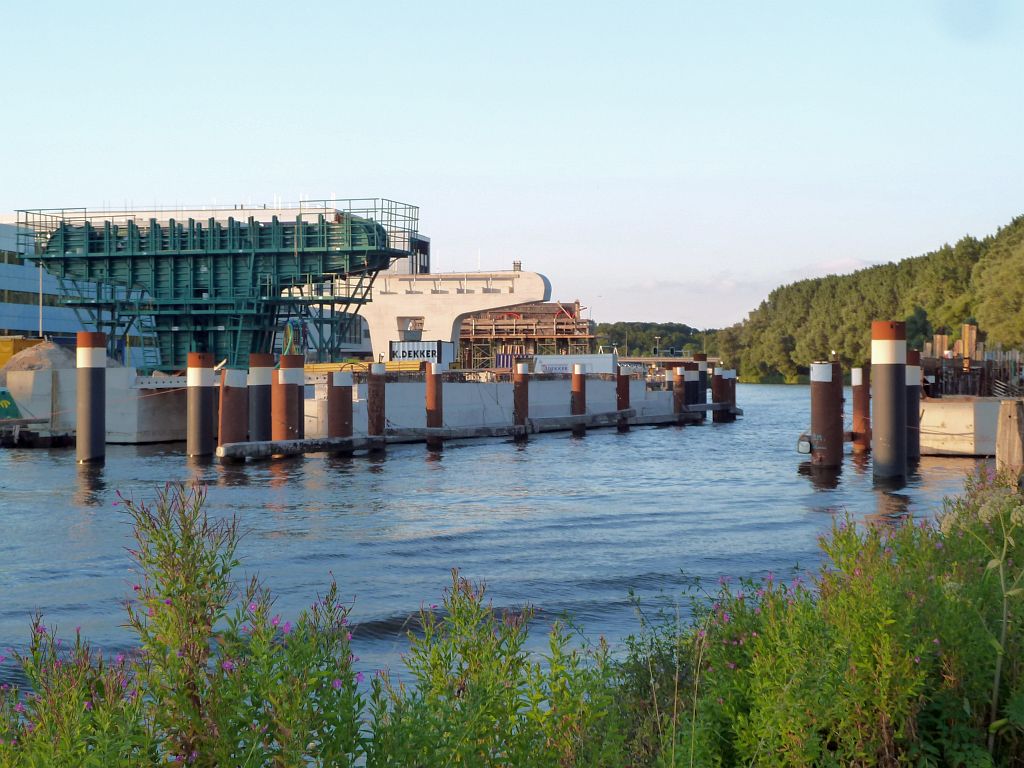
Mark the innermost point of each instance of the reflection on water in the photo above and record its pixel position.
(568, 525)
(91, 487)
(822, 478)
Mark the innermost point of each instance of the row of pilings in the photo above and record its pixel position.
(266, 403)
(886, 406)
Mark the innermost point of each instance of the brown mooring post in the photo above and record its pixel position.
(578, 398)
(91, 428)
(339, 404)
(260, 380)
(826, 417)
(521, 398)
(913, 406)
(1010, 437)
(889, 399)
(233, 413)
(861, 390)
(201, 388)
(622, 399)
(287, 399)
(435, 404)
(718, 395)
(691, 383)
(678, 391)
(375, 405)
(729, 384)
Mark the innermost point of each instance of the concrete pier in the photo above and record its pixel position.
(260, 380)
(200, 405)
(889, 414)
(91, 429)
(860, 386)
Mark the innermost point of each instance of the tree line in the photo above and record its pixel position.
(980, 281)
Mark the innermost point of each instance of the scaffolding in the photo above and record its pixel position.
(224, 280)
(503, 335)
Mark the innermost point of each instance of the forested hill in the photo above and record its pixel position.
(980, 280)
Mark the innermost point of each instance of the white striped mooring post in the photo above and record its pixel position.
(702, 381)
(260, 380)
(889, 384)
(287, 399)
(200, 404)
(826, 415)
(233, 413)
(91, 427)
(621, 399)
(339, 404)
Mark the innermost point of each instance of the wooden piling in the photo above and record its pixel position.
(1010, 437)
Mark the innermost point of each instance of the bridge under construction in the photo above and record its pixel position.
(223, 280)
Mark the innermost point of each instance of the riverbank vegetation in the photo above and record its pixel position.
(975, 280)
(903, 648)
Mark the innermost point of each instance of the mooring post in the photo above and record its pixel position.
(678, 391)
(91, 428)
(260, 380)
(718, 394)
(621, 399)
(578, 398)
(375, 405)
(913, 406)
(339, 404)
(826, 418)
(521, 399)
(435, 404)
(201, 387)
(729, 381)
(233, 413)
(889, 383)
(287, 399)
(1010, 437)
(691, 383)
(861, 391)
(702, 381)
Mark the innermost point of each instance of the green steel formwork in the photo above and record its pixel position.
(221, 284)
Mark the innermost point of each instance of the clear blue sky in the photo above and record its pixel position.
(666, 161)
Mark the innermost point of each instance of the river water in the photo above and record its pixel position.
(568, 525)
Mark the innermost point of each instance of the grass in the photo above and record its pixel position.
(903, 648)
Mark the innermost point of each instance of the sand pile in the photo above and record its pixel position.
(43, 356)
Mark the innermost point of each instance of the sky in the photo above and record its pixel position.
(659, 161)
